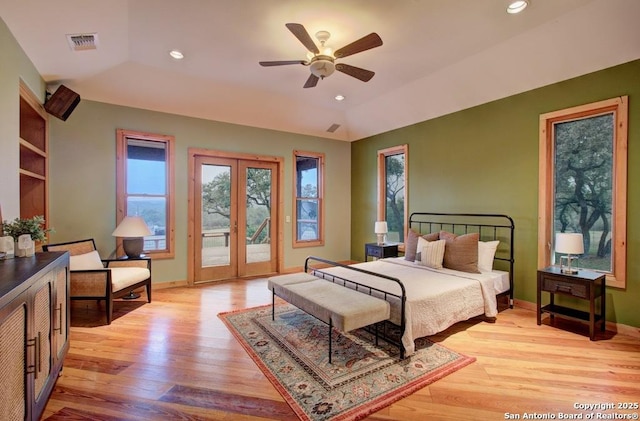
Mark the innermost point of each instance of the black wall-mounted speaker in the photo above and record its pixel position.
(62, 103)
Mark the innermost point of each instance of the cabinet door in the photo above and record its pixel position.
(41, 336)
(13, 360)
(61, 313)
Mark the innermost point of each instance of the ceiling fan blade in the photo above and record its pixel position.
(312, 81)
(303, 36)
(362, 74)
(368, 42)
(281, 62)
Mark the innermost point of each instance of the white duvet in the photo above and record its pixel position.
(436, 298)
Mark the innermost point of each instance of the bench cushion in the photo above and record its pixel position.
(346, 308)
(289, 279)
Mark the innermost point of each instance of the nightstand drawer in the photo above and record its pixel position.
(375, 251)
(557, 286)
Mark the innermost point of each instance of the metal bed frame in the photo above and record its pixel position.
(501, 229)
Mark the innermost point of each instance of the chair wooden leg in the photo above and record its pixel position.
(109, 305)
(148, 287)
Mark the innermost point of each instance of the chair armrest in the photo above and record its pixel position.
(143, 262)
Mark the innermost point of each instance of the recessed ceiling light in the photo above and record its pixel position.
(339, 97)
(176, 54)
(517, 6)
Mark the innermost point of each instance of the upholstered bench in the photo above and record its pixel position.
(340, 307)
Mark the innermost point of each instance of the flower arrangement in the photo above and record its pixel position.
(33, 226)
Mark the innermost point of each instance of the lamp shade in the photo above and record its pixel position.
(132, 227)
(570, 243)
(380, 227)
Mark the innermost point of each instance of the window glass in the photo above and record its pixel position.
(144, 180)
(392, 197)
(308, 228)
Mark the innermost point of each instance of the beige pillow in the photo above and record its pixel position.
(486, 253)
(431, 253)
(87, 261)
(461, 252)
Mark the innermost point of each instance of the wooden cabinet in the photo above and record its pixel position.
(33, 156)
(34, 331)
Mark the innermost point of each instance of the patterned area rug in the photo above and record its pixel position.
(292, 352)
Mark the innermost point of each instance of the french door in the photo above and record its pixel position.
(235, 218)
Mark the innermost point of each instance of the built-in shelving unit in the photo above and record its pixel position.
(34, 142)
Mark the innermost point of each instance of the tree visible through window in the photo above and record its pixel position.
(392, 201)
(583, 184)
(308, 227)
(144, 186)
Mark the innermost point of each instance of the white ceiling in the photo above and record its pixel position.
(439, 56)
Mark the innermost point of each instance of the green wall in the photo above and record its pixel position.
(485, 159)
(83, 164)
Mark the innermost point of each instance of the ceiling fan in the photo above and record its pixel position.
(321, 61)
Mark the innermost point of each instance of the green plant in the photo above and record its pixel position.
(33, 226)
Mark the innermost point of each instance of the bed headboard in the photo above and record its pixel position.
(489, 227)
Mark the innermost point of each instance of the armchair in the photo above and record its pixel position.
(93, 278)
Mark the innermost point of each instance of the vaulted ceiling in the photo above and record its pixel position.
(437, 57)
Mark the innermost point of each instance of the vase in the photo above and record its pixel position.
(28, 252)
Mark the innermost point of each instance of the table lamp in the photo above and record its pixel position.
(569, 243)
(132, 230)
(381, 231)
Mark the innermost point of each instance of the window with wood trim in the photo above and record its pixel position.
(392, 191)
(144, 187)
(583, 185)
(308, 227)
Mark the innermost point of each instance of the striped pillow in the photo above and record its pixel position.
(431, 253)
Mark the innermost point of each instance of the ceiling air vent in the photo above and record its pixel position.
(333, 128)
(82, 42)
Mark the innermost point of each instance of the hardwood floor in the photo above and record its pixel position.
(173, 359)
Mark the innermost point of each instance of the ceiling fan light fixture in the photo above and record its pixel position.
(322, 67)
(516, 6)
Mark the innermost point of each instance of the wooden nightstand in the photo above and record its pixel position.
(586, 285)
(380, 250)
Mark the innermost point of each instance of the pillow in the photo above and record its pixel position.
(86, 261)
(432, 253)
(411, 244)
(461, 251)
(421, 243)
(486, 253)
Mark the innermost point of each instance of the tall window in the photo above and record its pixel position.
(309, 207)
(583, 185)
(145, 186)
(392, 191)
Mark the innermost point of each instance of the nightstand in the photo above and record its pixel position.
(380, 251)
(586, 285)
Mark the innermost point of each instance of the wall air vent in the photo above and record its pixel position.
(333, 128)
(82, 42)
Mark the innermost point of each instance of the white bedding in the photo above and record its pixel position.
(436, 298)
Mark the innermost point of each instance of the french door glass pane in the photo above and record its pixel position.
(258, 221)
(583, 187)
(216, 208)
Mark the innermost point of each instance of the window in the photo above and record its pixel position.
(309, 208)
(583, 185)
(392, 191)
(145, 187)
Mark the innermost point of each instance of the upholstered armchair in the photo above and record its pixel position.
(93, 278)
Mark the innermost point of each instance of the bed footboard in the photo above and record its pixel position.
(365, 289)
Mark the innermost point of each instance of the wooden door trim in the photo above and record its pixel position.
(278, 225)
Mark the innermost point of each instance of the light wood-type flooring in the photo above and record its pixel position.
(173, 359)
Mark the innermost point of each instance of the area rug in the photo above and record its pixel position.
(363, 378)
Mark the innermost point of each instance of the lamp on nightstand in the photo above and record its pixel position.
(569, 243)
(381, 231)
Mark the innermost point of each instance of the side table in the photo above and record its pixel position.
(380, 251)
(586, 285)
